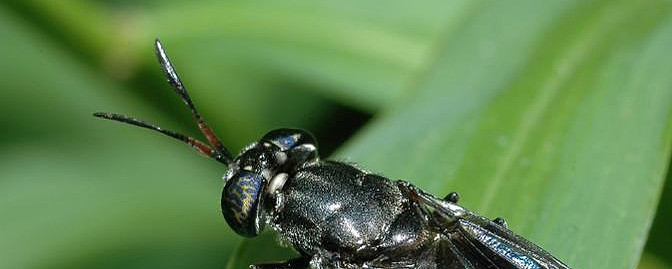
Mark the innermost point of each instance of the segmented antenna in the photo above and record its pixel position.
(197, 145)
(176, 84)
(215, 150)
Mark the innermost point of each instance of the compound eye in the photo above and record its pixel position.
(287, 138)
(240, 202)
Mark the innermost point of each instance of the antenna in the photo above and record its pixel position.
(215, 150)
(176, 84)
(197, 145)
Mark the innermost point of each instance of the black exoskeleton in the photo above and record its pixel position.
(340, 216)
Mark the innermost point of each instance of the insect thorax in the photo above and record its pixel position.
(336, 207)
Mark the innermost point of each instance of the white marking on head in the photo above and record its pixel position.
(276, 183)
(335, 206)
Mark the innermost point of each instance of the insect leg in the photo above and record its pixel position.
(297, 263)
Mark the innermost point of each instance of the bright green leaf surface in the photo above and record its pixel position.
(559, 121)
(357, 52)
(569, 143)
(363, 58)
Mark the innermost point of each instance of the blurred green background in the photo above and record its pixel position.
(555, 115)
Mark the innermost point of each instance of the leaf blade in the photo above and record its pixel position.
(501, 153)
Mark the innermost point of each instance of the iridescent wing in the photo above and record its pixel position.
(477, 242)
(489, 243)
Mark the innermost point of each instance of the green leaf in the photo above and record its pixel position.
(358, 53)
(554, 115)
(565, 134)
(652, 262)
(658, 245)
(240, 57)
(345, 52)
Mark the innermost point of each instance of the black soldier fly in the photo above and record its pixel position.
(340, 216)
